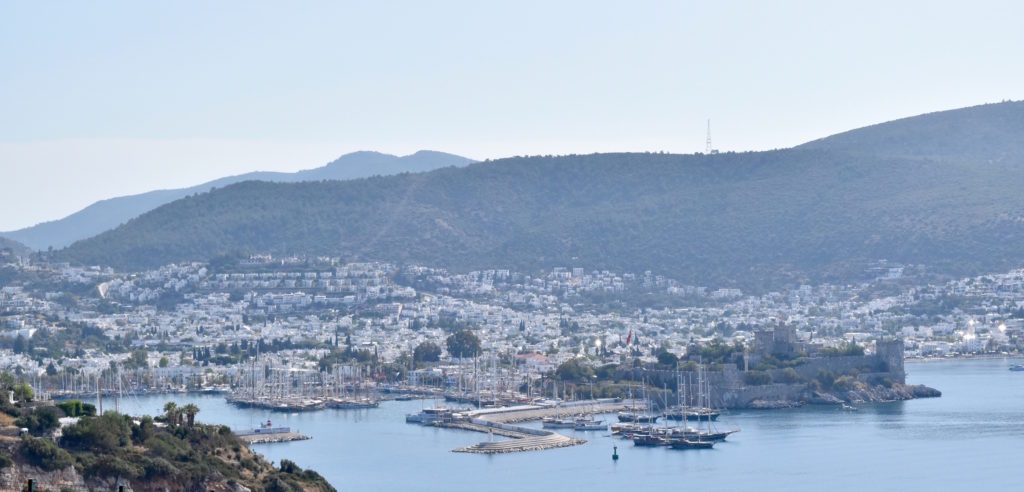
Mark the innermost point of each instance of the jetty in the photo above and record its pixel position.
(273, 437)
(501, 422)
(267, 433)
(525, 413)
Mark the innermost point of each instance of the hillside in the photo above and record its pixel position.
(988, 131)
(106, 451)
(108, 214)
(752, 220)
(16, 247)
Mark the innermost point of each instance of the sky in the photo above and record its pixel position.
(102, 99)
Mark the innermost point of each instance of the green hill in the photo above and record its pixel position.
(822, 211)
(989, 131)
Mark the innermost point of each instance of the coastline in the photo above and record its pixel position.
(961, 357)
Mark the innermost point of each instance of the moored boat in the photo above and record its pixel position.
(556, 423)
(637, 417)
(688, 444)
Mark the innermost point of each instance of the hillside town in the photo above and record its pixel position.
(198, 324)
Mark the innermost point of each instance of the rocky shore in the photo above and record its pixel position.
(857, 395)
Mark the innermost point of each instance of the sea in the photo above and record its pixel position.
(971, 438)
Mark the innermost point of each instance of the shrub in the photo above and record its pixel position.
(790, 376)
(41, 421)
(143, 431)
(45, 454)
(849, 349)
(825, 379)
(75, 408)
(105, 433)
(112, 466)
(757, 378)
(843, 383)
(159, 467)
(71, 408)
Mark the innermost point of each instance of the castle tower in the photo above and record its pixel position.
(890, 352)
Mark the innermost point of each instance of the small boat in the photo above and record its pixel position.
(553, 423)
(428, 416)
(849, 408)
(1017, 367)
(629, 429)
(589, 424)
(266, 428)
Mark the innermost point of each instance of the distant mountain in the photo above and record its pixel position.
(821, 212)
(107, 214)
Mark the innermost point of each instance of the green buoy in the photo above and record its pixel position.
(615, 453)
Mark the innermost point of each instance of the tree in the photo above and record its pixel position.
(23, 392)
(667, 359)
(463, 343)
(51, 370)
(20, 345)
(190, 411)
(427, 352)
(164, 362)
(572, 370)
(172, 413)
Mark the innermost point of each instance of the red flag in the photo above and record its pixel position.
(629, 337)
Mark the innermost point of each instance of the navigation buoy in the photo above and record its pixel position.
(615, 453)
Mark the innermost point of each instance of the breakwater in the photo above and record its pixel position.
(501, 422)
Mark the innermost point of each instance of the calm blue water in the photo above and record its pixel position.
(972, 437)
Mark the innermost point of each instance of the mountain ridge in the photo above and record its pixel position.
(753, 220)
(111, 212)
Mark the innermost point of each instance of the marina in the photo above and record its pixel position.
(972, 426)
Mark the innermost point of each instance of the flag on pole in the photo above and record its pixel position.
(629, 337)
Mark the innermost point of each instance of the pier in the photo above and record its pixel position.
(525, 413)
(267, 433)
(264, 438)
(500, 421)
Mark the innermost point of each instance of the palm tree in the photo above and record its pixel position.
(172, 413)
(190, 412)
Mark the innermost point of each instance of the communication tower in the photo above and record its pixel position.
(707, 146)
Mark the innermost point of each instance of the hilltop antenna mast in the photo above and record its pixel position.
(707, 147)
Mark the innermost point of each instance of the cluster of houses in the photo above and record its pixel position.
(543, 318)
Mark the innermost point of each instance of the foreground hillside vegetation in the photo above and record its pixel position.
(820, 212)
(101, 452)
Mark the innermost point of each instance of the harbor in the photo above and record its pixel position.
(374, 449)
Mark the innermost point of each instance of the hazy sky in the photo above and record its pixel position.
(100, 99)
